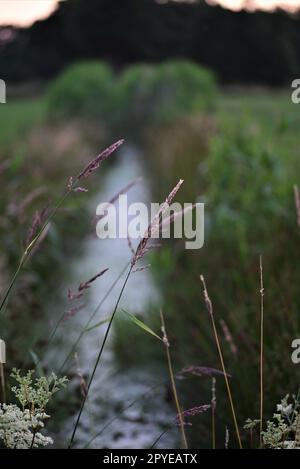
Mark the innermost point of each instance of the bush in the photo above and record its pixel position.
(141, 96)
(161, 93)
(83, 90)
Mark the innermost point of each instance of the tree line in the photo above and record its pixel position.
(240, 47)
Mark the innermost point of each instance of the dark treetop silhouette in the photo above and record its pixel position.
(240, 47)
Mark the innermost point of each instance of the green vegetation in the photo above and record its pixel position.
(243, 163)
(152, 94)
(84, 90)
(36, 161)
(141, 95)
(239, 155)
(17, 118)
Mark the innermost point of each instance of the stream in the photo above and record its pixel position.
(127, 408)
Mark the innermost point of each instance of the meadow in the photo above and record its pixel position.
(237, 151)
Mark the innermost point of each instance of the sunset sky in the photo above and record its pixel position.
(25, 12)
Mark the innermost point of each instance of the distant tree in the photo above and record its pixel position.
(240, 47)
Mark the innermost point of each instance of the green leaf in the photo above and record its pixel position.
(104, 321)
(142, 325)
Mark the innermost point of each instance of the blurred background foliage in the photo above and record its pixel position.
(141, 95)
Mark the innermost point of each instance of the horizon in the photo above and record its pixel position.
(26, 12)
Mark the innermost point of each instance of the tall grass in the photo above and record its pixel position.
(73, 185)
(139, 253)
(211, 314)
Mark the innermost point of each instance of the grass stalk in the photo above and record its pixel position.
(261, 349)
(213, 413)
(72, 186)
(2, 379)
(117, 416)
(171, 373)
(99, 357)
(30, 247)
(297, 204)
(162, 434)
(87, 324)
(211, 313)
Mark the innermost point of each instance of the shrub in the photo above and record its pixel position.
(83, 90)
(161, 93)
(142, 95)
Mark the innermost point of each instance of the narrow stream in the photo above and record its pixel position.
(128, 407)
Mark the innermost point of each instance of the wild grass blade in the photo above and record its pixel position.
(142, 325)
(100, 323)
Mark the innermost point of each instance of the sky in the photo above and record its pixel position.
(25, 12)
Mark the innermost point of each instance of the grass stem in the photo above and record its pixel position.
(29, 248)
(179, 411)
(213, 413)
(2, 379)
(261, 349)
(87, 324)
(99, 357)
(211, 313)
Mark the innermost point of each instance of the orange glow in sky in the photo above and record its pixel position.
(25, 12)
(290, 5)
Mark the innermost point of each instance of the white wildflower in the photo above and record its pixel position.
(18, 428)
(289, 444)
(284, 409)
